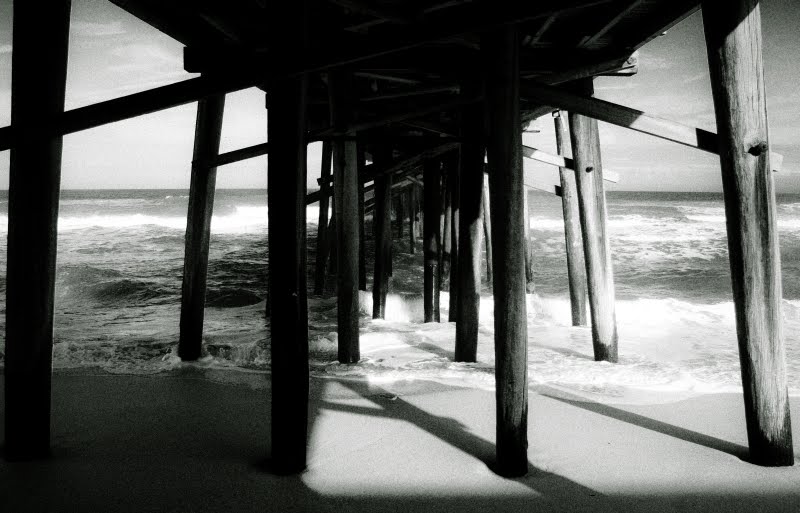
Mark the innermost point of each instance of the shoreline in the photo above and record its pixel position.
(185, 442)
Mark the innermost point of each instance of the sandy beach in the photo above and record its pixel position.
(195, 441)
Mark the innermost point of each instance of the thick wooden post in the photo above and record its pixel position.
(362, 251)
(596, 248)
(487, 228)
(454, 185)
(412, 219)
(432, 175)
(470, 224)
(382, 223)
(39, 71)
(576, 270)
(733, 39)
(208, 130)
(504, 152)
(530, 199)
(322, 226)
(287, 251)
(346, 181)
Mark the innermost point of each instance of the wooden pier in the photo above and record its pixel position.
(399, 92)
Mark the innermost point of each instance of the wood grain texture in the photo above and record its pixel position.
(733, 40)
(506, 178)
(208, 130)
(596, 247)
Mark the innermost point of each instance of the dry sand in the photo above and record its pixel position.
(187, 442)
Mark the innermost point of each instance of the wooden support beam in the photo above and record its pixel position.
(469, 229)
(208, 131)
(412, 220)
(39, 72)
(139, 104)
(619, 16)
(504, 151)
(486, 210)
(597, 250)
(625, 117)
(362, 249)
(322, 225)
(454, 186)
(562, 162)
(287, 251)
(530, 199)
(432, 205)
(576, 270)
(410, 92)
(345, 171)
(382, 228)
(734, 43)
(445, 214)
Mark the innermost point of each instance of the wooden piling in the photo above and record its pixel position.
(733, 40)
(345, 172)
(400, 210)
(431, 176)
(597, 250)
(322, 225)
(530, 199)
(208, 130)
(487, 229)
(412, 219)
(470, 224)
(454, 184)
(362, 251)
(445, 217)
(382, 223)
(39, 71)
(576, 270)
(504, 151)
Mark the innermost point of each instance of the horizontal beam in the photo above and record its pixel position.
(565, 162)
(628, 118)
(139, 104)
(544, 187)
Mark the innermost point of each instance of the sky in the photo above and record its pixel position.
(113, 53)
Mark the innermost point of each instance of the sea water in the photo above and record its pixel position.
(120, 260)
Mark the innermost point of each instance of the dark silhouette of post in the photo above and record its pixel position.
(470, 224)
(486, 210)
(287, 248)
(362, 250)
(322, 225)
(383, 236)
(454, 186)
(733, 39)
(576, 270)
(208, 130)
(412, 219)
(596, 247)
(39, 71)
(500, 49)
(430, 226)
(346, 187)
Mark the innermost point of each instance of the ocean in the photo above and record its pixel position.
(119, 272)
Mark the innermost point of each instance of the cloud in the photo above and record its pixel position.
(649, 61)
(619, 86)
(144, 56)
(91, 29)
(5, 49)
(696, 77)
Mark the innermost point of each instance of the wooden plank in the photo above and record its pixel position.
(576, 270)
(431, 236)
(733, 39)
(612, 22)
(504, 151)
(625, 117)
(345, 171)
(382, 227)
(39, 72)
(208, 131)
(286, 177)
(469, 229)
(562, 162)
(322, 225)
(139, 104)
(596, 247)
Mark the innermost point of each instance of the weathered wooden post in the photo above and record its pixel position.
(399, 214)
(530, 287)
(597, 250)
(430, 226)
(455, 170)
(346, 180)
(208, 130)
(322, 226)
(412, 219)
(486, 210)
(504, 151)
(576, 270)
(469, 223)
(733, 39)
(445, 220)
(362, 252)
(287, 247)
(39, 71)
(382, 223)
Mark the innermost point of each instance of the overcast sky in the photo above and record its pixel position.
(114, 54)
